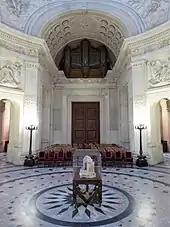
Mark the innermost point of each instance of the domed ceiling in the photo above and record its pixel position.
(26, 14)
(60, 22)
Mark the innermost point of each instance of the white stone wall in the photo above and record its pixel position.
(41, 95)
(46, 106)
(85, 91)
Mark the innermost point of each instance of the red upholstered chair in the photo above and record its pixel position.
(108, 156)
(59, 157)
(50, 158)
(68, 157)
(119, 160)
(41, 158)
(128, 158)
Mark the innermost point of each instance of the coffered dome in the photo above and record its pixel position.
(84, 25)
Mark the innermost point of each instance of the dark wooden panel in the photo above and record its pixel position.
(85, 122)
(86, 60)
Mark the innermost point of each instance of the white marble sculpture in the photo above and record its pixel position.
(87, 171)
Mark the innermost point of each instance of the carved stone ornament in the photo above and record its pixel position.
(61, 79)
(159, 72)
(152, 13)
(30, 100)
(17, 7)
(10, 74)
(139, 101)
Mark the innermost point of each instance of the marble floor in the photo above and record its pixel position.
(34, 197)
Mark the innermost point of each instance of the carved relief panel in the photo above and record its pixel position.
(10, 74)
(158, 72)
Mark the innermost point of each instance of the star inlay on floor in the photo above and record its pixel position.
(33, 197)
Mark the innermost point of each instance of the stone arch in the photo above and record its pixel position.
(5, 117)
(119, 12)
(15, 100)
(164, 106)
(79, 25)
(60, 50)
(155, 123)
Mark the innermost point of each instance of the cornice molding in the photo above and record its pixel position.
(149, 41)
(37, 48)
(27, 45)
(145, 43)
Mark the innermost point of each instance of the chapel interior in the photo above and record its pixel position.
(84, 113)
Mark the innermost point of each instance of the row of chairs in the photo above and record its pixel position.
(52, 158)
(117, 158)
(110, 157)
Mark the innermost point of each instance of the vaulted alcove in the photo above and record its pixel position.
(85, 59)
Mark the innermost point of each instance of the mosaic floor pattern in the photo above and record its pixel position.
(34, 197)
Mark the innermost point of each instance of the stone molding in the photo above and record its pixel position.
(145, 43)
(29, 46)
(138, 64)
(37, 48)
(149, 41)
(60, 79)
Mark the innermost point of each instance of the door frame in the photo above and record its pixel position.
(67, 116)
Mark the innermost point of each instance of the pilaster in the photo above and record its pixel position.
(140, 115)
(2, 109)
(30, 106)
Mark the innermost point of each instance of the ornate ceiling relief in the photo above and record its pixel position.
(152, 13)
(17, 7)
(88, 26)
(159, 72)
(10, 74)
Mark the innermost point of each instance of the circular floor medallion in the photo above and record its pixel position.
(54, 205)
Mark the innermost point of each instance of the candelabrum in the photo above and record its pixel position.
(29, 160)
(141, 160)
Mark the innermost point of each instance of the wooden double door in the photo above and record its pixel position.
(85, 122)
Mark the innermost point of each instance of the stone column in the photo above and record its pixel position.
(144, 114)
(140, 113)
(46, 117)
(2, 109)
(114, 116)
(124, 123)
(30, 107)
(168, 122)
(59, 113)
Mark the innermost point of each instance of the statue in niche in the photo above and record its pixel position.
(87, 171)
(87, 60)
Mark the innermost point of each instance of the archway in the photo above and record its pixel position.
(80, 25)
(164, 105)
(5, 115)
